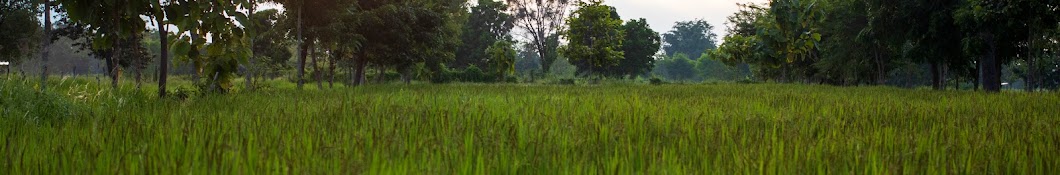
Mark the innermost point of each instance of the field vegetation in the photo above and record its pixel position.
(81, 126)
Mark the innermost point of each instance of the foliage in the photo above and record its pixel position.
(486, 24)
(216, 60)
(19, 29)
(677, 68)
(594, 37)
(501, 59)
(639, 48)
(272, 42)
(540, 129)
(691, 38)
(542, 21)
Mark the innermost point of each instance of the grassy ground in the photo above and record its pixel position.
(80, 127)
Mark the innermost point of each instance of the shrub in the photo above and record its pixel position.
(18, 100)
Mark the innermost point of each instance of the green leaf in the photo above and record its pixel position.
(817, 37)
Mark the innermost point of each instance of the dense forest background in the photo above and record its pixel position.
(945, 44)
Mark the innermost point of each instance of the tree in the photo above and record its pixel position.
(47, 9)
(219, 58)
(639, 48)
(594, 37)
(690, 37)
(270, 45)
(676, 68)
(528, 62)
(997, 31)
(501, 59)
(416, 29)
(158, 11)
(487, 24)
(540, 20)
(107, 23)
(19, 29)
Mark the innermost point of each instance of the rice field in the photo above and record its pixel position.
(81, 127)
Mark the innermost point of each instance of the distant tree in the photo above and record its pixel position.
(501, 59)
(106, 28)
(690, 37)
(639, 48)
(594, 37)
(676, 68)
(528, 61)
(486, 24)
(19, 29)
(415, 30)
(541, 20)
(998, 31)
(271, 44)
(709, 69)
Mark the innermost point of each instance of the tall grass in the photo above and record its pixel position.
(532, 129)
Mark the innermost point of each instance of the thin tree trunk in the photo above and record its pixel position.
(316, 67)
(1032, 71)
(978, 74)
(44, 47)
(249, 75)
(331, 70)
(197, 76)
(163, 67)
(361, 65)
(116, 58)
(302, 51)
(379, 78)
(139, 77)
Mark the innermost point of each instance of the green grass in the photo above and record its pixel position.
(527, 129)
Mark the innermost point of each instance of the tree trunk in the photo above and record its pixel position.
(163, 67)
(379, 78)
(139, 77)
(361, 64)
(331, 70)
(316, 67)
(991, 65)
(302, 51)
(978, 74)
(1032, 71)
(248, 77)
(406, 75)
(44, 47)
(197, 66)
(881, 75)
(936, 76)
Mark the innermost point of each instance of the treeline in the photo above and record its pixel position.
(949, 43)
(958, 43)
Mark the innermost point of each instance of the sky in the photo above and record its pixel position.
(662, 14)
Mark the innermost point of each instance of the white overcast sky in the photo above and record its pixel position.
(662, 14)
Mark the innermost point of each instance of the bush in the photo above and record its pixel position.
(18, 100)
(655, 81)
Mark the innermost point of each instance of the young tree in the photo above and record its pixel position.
(501, 59)
(639, 48)
(594, 37)
(540, 20)
(47, 9)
